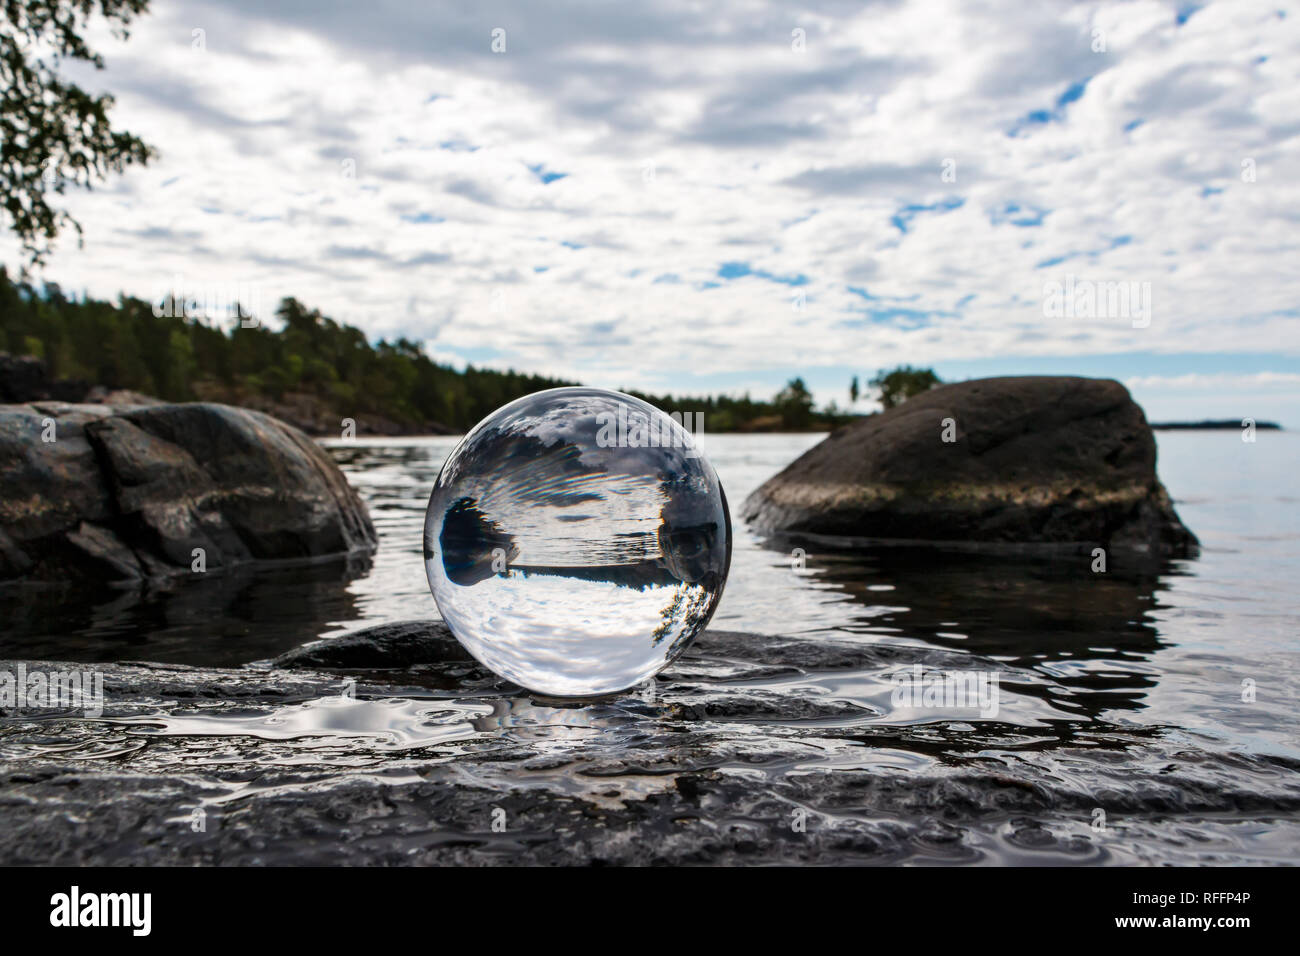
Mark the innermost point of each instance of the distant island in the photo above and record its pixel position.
(1235, 424)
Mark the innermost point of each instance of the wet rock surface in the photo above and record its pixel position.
(389, 747)
(122, 494)
(400, 644)
(1037, 459)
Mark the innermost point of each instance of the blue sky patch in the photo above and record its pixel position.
(897, 316)
(903, 218)
(738, 270)
(1073, 93)
(1017, 215)
(545, 175)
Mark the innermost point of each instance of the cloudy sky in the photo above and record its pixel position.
(717, 196)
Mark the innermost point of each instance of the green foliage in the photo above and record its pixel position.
(794, 404)
(52, 132)
(898, 385)
(181, 359)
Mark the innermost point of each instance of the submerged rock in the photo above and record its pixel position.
(400, 644)
(121, 493)
(1041, 459)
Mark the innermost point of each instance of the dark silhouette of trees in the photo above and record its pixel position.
(794, 404)
(163, 352)
(898, 385)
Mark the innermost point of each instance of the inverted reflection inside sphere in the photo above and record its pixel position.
(577, 540)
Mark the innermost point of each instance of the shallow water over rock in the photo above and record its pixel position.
(1121, 732)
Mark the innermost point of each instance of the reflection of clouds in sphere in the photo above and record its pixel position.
(567, 563)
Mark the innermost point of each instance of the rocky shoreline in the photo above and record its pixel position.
(390, 745)
(24, 379)
(120, 493)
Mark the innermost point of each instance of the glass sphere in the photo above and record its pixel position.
(577, 541)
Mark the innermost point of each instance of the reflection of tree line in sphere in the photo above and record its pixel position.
(473, 545)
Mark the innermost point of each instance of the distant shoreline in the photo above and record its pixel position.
(1235, 424)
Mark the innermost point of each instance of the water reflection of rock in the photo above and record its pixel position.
(473, 546)
(1090, 634)
(695, 533)
(242, 614)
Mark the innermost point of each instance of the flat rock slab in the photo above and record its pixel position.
(1038, 459)
(105, 494)
(335, 756)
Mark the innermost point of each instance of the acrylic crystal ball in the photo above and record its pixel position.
(577, 541)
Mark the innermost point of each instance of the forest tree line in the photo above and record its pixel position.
(128, 345)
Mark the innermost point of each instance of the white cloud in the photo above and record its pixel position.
(692, 137)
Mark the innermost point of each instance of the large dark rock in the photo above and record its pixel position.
(1035, 459)
(129, 492)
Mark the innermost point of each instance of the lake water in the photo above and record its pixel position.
(1172, 649)
(1166, 701)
